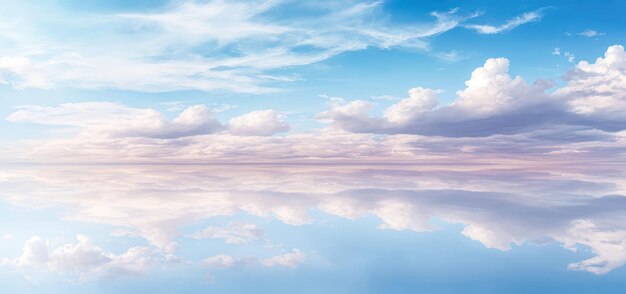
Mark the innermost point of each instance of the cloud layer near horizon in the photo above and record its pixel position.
(496, 117)
(494, 102)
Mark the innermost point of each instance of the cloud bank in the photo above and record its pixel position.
(84, 259)
(493, 102)
(496, 117)
(527, 17)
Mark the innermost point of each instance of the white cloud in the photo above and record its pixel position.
(118, 120)
(492, 90)
(609, 246)
(490, 238)
(208, 45)
(291, 259)
(494, 102)
(339, 108)
(217, 20)
(510, 24)
(570, 57)
(590, 33)
(400, 215)
(420, 100)
(590, 106)
(220, 261)
(323, 145)
(598, 90)
(20, 72)
(490, 94)
(233, 233)
(83, 259)
(258, 123)
(451, 56)
(350, 116)
(83, 114)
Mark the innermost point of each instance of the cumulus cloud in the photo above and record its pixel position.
(494, 102)
(420, 100)
(597, 91)
(491, 90)
(350, 116)
(234, 233)
(258, 123)
(510, 24)
(83, 259)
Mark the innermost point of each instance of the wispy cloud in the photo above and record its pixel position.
(590, 33)
(213, 45)
(233, 233)
(291, 259)
(510, 24)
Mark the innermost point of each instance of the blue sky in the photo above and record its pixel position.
(243, 146)
(100, 30)
(389, 70)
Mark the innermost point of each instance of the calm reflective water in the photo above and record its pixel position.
(324, 228)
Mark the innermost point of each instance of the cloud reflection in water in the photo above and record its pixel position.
(498, 206)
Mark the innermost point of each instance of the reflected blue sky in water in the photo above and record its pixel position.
(332, 228)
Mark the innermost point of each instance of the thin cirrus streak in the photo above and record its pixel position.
(197, 45)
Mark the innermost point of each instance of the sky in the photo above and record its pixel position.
(304, 146)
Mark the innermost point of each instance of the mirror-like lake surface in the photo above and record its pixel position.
(402, 228)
